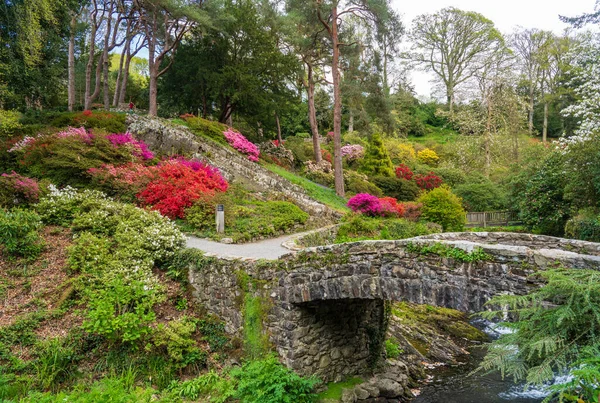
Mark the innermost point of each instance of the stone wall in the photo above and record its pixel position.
(325, 301)
(169, 139)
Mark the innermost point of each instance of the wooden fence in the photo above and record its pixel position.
(492, 219)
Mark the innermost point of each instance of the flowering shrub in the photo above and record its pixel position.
(391, 206)
(353, 151)
(139, 148)
(428, 157)
(404, 172)
(366, 204)
(124, 180)
(429, 181)
(22, 144)
(326, 155)
(177, 185)
(16, 189)
(241, 143)
(412, 210)
(87, 113)
(80, 133)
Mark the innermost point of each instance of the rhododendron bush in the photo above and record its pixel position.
(241, 143)
(17, 189)
(374, 206)
(177, 185)
(404, 172)
(138, 148)
(428, 182)
(353, 152)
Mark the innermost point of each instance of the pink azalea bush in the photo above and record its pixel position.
(22, 144)
(81, 133)
(140, 149)
(366, 204)
(353, 151)
(241, 143)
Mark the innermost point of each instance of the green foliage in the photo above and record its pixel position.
(428, 157)
(207, 128)
(376, 160)
(542, 202)
(55, 363)
(400, 189)
(181, 262)
(392, 349)
(443, 207)
(88, 252)
(256, 342)
(9, 122)
(440, 249)
(484, 196)
(176, 339)
(357, 227)
(584, 226)
(18, 233)
(267, 381)
(357, 183)
(213, 332)
(219, 389)
(556, 331)
(107, 121)
(122, 312)
(302, 150)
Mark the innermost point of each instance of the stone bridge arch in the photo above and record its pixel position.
(326, 305)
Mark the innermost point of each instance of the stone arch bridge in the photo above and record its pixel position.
(324, 308)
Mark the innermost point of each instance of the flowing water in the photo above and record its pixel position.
(454, 385)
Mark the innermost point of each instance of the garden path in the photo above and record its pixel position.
(266, 249)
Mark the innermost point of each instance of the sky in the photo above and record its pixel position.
(506, 15)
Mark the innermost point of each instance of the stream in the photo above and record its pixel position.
(451, 384)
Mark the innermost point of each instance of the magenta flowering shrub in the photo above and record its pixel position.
(353, 151)
(366, 204)
(241, 143)
(16, 189)
(140, 149)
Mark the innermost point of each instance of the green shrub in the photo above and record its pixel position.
(584, 226)
(428, 157)
(89, 253)
(121, 312)
(55, 363)
(267, 381)
(376, 160)
(108, 121)
(208, 128)
(18, 233)
(302, 150)
(9, 122)
(358, 227)
(219, 389)
(400, 189)
(392, 349)
(177, 342)
(201, 214)
(451, 176)
(213, 332)
(443, 207)
(357, 183)
(485, 196)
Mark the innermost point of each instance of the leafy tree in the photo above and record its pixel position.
(455, 45)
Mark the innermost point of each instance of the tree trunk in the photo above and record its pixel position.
(545, 131)
(71, 64)
(488, 139)
(351, 122)
(531, 104)
(90, 63)
(125, 77)
(450, 99)
(119, 74)
(279, 139)
(337, 107)
(312, 115)
(153, 91)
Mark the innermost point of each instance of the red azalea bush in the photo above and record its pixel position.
(392, 206)
(128, 179)
(241, 143)
(404, 172)
(326, 155)
(177, 185)
(429, 181)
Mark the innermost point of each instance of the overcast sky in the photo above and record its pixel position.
(506, 14)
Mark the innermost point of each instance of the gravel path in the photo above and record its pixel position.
(266, 249)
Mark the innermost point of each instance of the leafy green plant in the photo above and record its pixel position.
(392, 349)
(55, 363)
(176, 339)
(441, 249)
(443, 207)
(219, 388)
(9, 122)
(267, 381)
(18, 233)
